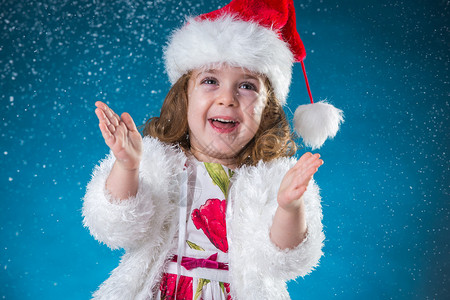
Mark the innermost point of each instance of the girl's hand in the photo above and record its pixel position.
(296, 180)
(121, 136)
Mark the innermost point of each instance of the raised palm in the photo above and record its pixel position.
(296, 180)
(121, 136)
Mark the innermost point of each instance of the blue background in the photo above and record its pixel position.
(384, 183)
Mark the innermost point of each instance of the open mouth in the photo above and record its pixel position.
(223, 125)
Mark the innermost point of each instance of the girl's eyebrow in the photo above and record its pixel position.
(250, 76)
(212, 71)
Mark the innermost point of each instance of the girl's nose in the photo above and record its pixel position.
(227, 97)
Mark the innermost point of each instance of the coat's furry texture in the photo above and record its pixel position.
(236, 43)
(267, 267)
(146, 226)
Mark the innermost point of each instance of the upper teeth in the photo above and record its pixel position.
(224, 121)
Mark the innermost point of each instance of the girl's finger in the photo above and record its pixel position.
(314, 160)
(303, 158)
(311, 169)
(111, 128)
(107, 135)
(128, 120)
(103, 106)
(121, 133)
(116, 116)
(306, 161)
(99, 104)
(302, 177)
(103, 119)
(101, 115)
(106, 127)
(112, 116)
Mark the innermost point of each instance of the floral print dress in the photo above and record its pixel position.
(204, 264)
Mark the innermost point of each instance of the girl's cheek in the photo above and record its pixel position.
(258, 109)
(259, 106)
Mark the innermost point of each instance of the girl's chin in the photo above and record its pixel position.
(219, 155)
(216, 153)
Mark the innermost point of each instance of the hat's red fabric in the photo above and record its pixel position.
(277, 15)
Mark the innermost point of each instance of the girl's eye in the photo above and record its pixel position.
(209, 81)
(248, 86)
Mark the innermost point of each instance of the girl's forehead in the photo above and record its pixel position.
(227, 69)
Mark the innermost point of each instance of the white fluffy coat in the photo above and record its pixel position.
(146, 227)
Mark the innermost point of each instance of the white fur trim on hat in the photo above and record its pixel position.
(234, 42)
(317, 122)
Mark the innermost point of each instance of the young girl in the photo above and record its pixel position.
(209, 204)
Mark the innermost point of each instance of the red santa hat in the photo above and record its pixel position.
(261, 36)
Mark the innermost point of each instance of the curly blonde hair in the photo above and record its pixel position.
(272, 140)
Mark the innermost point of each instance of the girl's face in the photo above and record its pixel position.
(225, 105)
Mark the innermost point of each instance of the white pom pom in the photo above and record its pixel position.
(316, 122)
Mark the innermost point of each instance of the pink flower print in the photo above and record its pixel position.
(167, 287)
(210, 217)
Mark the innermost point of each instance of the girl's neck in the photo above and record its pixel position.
(204, 157)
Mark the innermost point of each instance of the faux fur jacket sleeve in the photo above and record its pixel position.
(254, 195)
(126, 223)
